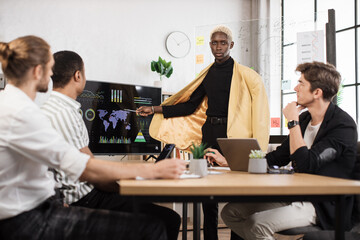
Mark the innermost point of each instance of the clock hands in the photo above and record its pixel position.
(185, 40)
(178, 43)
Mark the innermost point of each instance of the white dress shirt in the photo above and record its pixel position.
(28, 146)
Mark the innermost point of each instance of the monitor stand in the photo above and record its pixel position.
(151, 156)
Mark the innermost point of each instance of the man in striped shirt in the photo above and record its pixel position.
(63, 111)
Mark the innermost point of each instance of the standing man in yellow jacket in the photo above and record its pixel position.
(225, 100)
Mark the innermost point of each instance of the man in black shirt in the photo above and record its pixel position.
(216, 86)
(226, 100)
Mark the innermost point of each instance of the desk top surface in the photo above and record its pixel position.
(232, 183)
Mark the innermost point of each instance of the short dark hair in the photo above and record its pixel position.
(66, 65)
(21, 54)
(323, 76)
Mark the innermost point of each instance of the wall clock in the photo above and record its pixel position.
(178, 44)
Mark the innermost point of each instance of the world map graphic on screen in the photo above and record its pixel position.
(114, 118)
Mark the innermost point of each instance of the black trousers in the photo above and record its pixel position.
(98, 199)
(210, 133)
(51, 220)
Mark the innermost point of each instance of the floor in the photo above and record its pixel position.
(224, 234)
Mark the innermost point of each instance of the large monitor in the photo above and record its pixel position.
(108, 110)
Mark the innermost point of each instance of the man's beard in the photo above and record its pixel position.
(43, 86)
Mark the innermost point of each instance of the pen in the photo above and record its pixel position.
(130, 110)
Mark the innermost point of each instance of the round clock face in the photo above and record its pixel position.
(178, 44)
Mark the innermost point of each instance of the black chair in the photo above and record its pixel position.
(330, 235)
(315, 232)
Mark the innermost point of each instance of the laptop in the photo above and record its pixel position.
(237, 150)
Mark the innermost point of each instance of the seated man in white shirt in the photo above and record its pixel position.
(29, 145)
(63, 111)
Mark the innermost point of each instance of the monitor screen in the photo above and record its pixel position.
(108, 110)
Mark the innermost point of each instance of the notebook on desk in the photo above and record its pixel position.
(237, 150)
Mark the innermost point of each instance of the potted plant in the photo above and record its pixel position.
(163, 68)
(339, 95)
(257, 162)
(198, 151)
(198, 165)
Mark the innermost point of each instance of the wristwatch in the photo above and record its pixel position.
(292, 124)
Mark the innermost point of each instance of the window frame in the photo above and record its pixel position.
(355, 85)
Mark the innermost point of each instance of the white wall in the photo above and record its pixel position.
(116, 38)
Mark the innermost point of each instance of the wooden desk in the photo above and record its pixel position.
(244, 187)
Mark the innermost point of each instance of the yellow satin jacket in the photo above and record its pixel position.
(248, 113)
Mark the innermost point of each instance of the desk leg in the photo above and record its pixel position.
(339, 218)
(184, 221)
(196, 226)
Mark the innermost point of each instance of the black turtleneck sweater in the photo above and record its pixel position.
(216, 86)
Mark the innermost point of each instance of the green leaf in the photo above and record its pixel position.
(169, 72)
(168, 65)
(153, 66)
(198, 151)
(162, 67)
(163, 62)
(158, 67)
(339, 95)
(257, 154)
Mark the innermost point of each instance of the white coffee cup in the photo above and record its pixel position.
(198, 167)
(257, 165)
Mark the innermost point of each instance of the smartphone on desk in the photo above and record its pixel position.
(166, 152)
(280, 170)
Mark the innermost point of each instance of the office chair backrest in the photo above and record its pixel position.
(356, 213)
